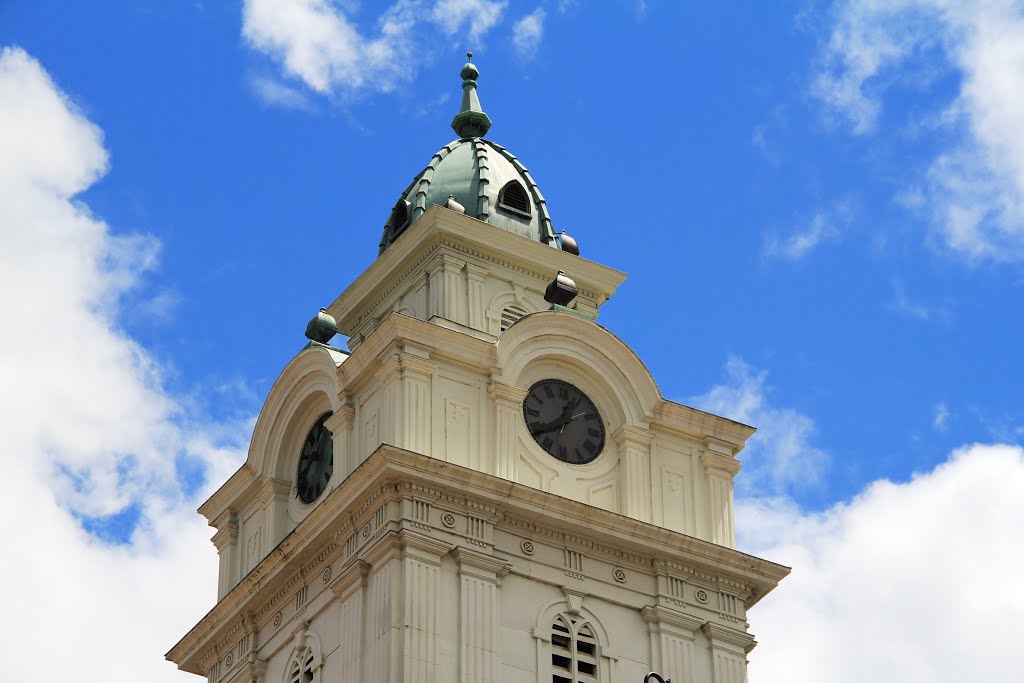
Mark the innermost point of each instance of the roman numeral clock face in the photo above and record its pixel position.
(316, 462)
(564, 421)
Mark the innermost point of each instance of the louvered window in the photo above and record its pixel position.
(302, 668)
(513, 198)
(509, 315)
(399, 216)
(573, 652)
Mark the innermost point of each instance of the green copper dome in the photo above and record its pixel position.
(487, 180)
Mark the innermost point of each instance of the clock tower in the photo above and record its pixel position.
(488, 486)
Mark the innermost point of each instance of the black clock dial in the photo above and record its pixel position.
(316, 462)
(564, 421)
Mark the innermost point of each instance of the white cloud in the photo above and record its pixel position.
(780, 456)
(974, 187)
(528, 32)
(480, 15)
(822, 228)
(316, 41)
(277, 94)
(87, 431)
(941, 418)
(916, 581)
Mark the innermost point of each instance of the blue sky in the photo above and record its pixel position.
(820, 206)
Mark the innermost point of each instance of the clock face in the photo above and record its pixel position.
(564, 421)
(316, 462)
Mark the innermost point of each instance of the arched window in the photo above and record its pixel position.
(573, 651)
(513, 198)
(399, 216)
(305, 664)
(510, 314)
(301, 667)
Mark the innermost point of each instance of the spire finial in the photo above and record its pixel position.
(471, 121)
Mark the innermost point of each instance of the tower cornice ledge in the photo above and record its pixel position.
(440, 228)
(393, 472)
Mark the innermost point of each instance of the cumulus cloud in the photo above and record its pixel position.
(89, 437)
(915, 581)
(780, 456)
(318, 43)
(528, 32)
(973, 188)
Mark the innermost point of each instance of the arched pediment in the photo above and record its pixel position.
(305, 390)
(547, 340)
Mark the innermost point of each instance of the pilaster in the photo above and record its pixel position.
(672, 636)
(226, 541)
(421, 570)
(475, 276)
(273, 496)
(350, 589)
(340, 424)
(405, 380)
(720, 466)
(479, 619)
(446, 291)
(635, 462)
(508, 410)
(729, 649)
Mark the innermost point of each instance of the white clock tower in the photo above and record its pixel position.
(489, 486)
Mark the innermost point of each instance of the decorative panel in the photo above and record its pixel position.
(457, 430)
(674, 501)
(605, 496)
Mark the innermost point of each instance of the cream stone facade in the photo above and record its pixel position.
(447, 544)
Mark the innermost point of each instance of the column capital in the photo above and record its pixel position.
(507, 393)
(227, 534)
(722, 465)
(352, 576)
(475, 272)
(274, 489)
(685, 625)
(632, 436)
(415, 366)
(342, 418)
(723, 635)
(423, 547)
(480, 565)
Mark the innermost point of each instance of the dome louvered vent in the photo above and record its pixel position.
(399, 215)
(509, 315)
(513, 198)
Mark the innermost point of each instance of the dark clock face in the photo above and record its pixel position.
(564, 421)
(316, 462)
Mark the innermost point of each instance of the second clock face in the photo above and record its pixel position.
(316, 462)
(564, 421)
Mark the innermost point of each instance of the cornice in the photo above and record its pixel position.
(239, 487)
(437, 229)
(391, 473)
(699, 424)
